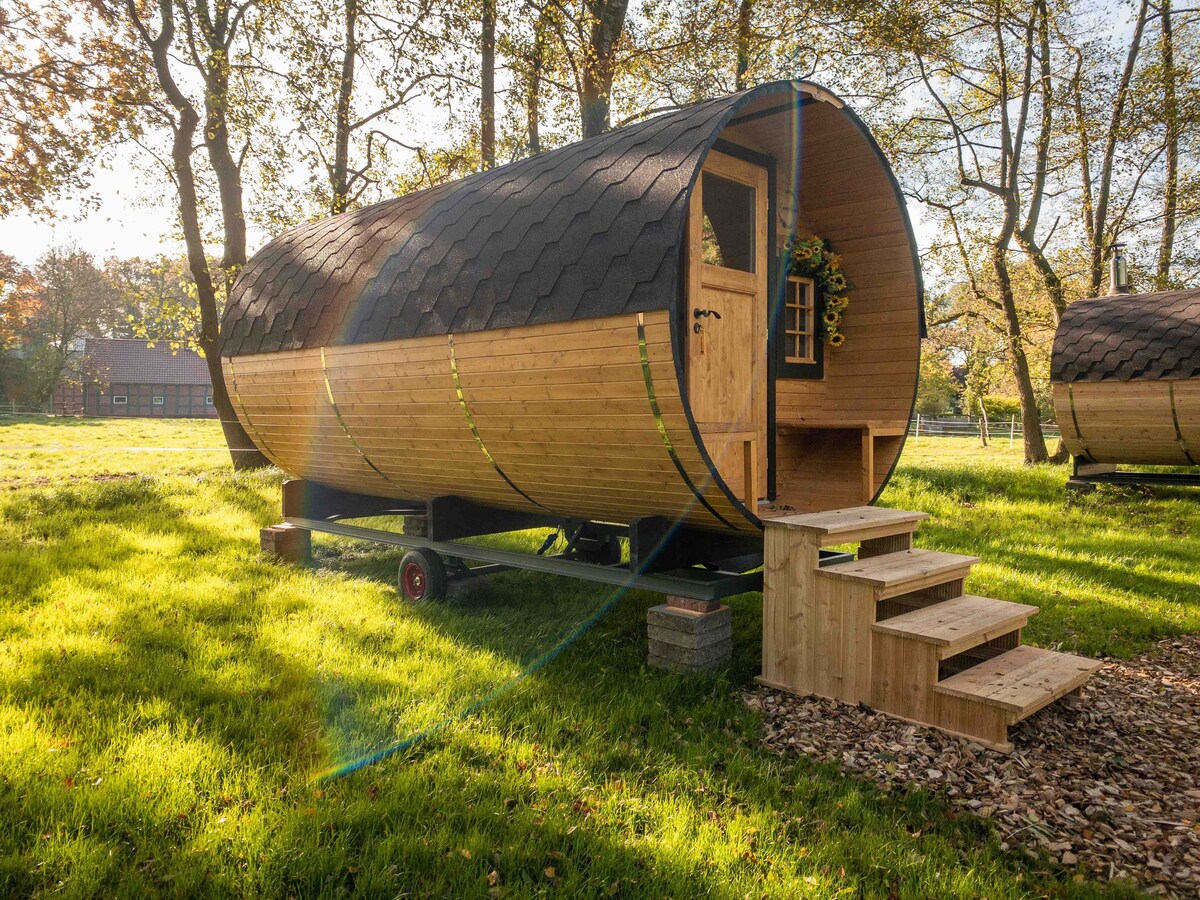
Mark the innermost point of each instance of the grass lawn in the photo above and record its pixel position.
(168, 697)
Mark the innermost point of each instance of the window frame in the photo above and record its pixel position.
(158, 400)
(751, 225)
(788, 366)
(208, 400)
(120, 399)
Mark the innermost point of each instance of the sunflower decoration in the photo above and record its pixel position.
(813, 258)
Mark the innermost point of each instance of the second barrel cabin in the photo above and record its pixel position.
(623, 327)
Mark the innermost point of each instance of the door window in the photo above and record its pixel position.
(729, 209)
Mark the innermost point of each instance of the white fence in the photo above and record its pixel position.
(1009, 429)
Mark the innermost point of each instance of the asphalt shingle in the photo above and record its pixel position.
(1129, 337)
(591, 229)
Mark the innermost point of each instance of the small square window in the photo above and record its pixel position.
(208, 400)
(799, 325)
(120, 400)
(157, 401)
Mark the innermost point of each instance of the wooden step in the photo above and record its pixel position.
(1021, 681)
(857, 523)
(959, 624)
(893, 574)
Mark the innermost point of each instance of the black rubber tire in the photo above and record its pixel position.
(421, 576)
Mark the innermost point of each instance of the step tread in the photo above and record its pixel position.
(842, 525)
(963, 622)
(1022, 681)
(894, 573)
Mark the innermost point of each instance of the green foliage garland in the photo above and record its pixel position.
(813, 258)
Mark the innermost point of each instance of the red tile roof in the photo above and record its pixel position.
(131, 361)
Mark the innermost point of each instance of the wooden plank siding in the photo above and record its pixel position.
(840, 191)
(562, 411)
(556, 415)
(1131, 422)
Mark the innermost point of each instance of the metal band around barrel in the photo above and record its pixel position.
(462, 401)
(258, 439)
(1075, 421)
(662, 427)
(1179, 431)
(338, 413)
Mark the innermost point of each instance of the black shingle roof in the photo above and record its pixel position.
(1129, 337)
(592, 229)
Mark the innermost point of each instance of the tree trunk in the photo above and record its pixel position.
(241, 448)
(1035, 442)
(745, 16)
(1027, 234)
(225, 167)
(1166, 245)
(533, 115)
(599, 66)
(244, 453)
(339, 182)
(1099, 235)
(487, 81)
(533, 86)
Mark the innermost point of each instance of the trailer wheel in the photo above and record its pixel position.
(422, 576)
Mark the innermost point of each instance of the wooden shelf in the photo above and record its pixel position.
(876, 428)
(865, 432)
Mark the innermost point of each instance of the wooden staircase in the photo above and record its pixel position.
(894, 630)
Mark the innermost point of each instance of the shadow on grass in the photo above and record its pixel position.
(190, 688)
(1114, 571)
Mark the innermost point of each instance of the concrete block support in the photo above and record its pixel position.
(685, 640)
(287, 542)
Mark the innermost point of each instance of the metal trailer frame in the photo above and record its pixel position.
(1085, 476)
(664, 557)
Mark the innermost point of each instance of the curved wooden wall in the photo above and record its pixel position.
(1146, 422)
(838, 437)
(557, 418)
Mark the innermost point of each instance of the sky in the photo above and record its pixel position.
(128, 208)
(118, 220)
(127, 212)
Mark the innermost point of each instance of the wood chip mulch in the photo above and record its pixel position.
(1110, 786)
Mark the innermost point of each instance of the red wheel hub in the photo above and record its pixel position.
(414, 581)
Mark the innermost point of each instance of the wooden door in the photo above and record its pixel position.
(727, 320)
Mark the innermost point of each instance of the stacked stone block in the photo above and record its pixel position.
(689, 635)
(287, 542)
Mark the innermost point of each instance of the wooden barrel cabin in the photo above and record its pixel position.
(606, 331)
(1126, 376)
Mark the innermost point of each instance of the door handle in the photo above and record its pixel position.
(699, 313)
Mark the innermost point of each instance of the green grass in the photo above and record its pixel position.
(36, 450)
(167, 697)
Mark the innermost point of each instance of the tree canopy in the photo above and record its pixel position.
(1030, 136)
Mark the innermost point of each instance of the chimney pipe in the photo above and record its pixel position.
(1118, 271)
